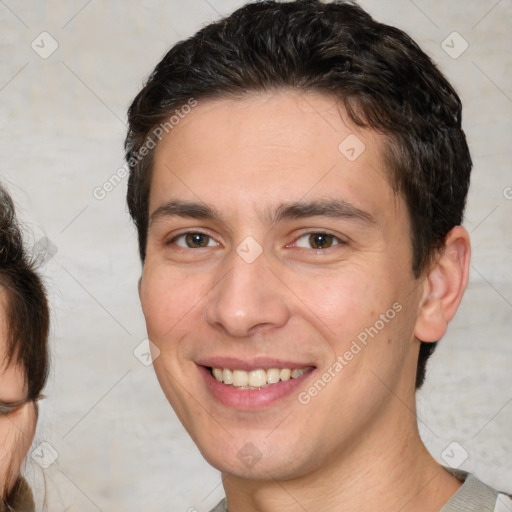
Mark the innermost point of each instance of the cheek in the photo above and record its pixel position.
(345, 300)
(12, 384)
(168, 300)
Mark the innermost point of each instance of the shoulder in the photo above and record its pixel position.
(476, 496)
(221, 507)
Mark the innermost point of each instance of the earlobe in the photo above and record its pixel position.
(444, 286)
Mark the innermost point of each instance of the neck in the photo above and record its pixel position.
(386, 469)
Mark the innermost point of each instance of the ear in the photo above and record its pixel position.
(138, 286)
(444, 286)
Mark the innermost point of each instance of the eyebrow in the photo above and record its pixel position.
(338, 209)
(187, 209)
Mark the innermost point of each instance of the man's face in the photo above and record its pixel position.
(276, 243)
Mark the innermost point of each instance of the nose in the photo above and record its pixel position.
(248, 300)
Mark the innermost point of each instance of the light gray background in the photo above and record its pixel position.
(120, 447)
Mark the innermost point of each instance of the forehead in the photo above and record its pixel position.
(270, 148)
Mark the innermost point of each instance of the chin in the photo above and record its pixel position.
(267, 462)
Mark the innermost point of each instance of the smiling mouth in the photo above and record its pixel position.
(256, 379)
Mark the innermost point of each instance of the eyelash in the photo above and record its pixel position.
(336, 240)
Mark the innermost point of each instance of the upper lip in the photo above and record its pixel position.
(254, 363)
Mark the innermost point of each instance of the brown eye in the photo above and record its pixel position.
(194, 240)
(321, 240)
(317, 241)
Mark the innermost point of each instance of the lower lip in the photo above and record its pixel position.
(251, 399)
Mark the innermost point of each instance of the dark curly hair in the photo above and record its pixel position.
(25, 314)
(377, 72)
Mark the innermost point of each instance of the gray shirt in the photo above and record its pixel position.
(472, 496)
(475, 496)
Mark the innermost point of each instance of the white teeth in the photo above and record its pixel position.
(273, 375)
(240, 378)
(285, 374)
(226, 376)
(256, 378)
